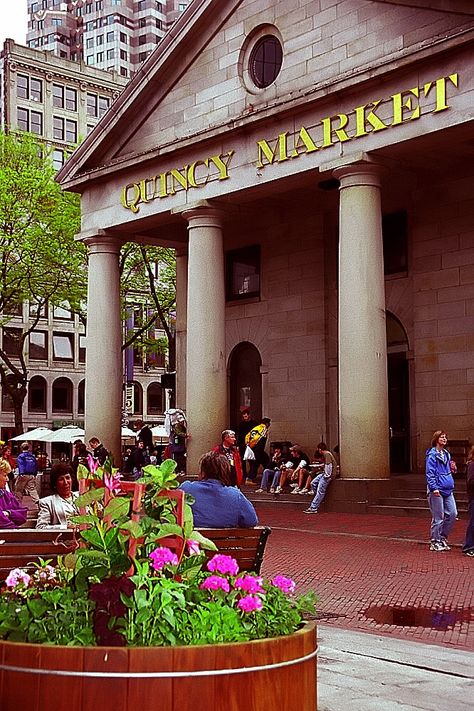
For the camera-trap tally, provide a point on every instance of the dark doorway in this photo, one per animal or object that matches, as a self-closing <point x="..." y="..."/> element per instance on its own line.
<point x="398" y="396"/>
<point x="245" y="382"/>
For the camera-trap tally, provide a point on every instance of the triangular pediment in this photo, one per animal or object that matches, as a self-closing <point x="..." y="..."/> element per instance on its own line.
<point x="197" y="83"/>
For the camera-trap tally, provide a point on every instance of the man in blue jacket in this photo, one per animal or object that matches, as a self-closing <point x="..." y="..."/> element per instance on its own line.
<point x="25" y="484"/>
<point x="440" y="487"/>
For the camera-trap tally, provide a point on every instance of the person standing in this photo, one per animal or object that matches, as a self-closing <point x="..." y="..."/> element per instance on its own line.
<point x="229" y="449"/>
<point x="321" y="481"/>
<point x="468" y="546"/>
<point x="440" y="488"/>
<point x="243" y="428"/>
<point x="98" y="451"/>
<point x="25" y="484"/>
<point x="256" y="441"/>
<point x="144" y="434"/>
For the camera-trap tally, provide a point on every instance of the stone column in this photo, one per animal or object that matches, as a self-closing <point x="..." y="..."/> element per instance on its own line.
<point x="206" y="391"/>
<point x="104" y="361"/>
<point x="181" y="326"/>
<point x="363" y="391"/>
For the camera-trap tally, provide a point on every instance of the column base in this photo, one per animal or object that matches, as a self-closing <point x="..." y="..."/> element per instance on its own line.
<point x="354" y="495"/>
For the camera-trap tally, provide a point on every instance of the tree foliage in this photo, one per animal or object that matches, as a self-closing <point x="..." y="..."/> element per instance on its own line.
<point x="40" y="261"/>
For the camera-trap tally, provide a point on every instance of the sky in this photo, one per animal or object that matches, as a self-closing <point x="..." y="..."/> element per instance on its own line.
<point x="13" y="21"/>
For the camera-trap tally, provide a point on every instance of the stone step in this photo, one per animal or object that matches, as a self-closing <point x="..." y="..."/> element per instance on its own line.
<point x="413" y="511"/>
<point x="405" y="500"/>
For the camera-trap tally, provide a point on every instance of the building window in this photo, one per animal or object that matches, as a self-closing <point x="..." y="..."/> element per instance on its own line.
<point x="142" y="22"/>
<point x="142" y="56"/>
<point x="71" y="131"/>
<point x="100" y="39"/>
<point x="38" y="349"/>
<point x="123" y="55"/>
<point x="58" y="128"/>
<point x="81" y="397"/>
<point x="100" y="56"/>
<point x="11" y="341"/>
<point x="34" y="307"/>
<point x="141" y="5"/>
<point x="110" y="53"/>
<point x="137" y="399"/>
<point x="243" y="273"/>
<point x="159" y="6"/>
<point x="63" y="346"/>
<point x="265" y="61"/>
<point x="30" y="121"/>
<point x="123" y="72"/>
<point x="90" y="59"/>
<point x="7" y="402"/>
<point x="103" y="105"/>
<point x="155" y="399"/>
<point x="89" y="42"/>
<point x="159" y="24"/>
<point x="82" y="349"/>
<point x="58" y="96"/>
<point x="123" y="38"/>
<point x="62" y="395"/>
<point x="110" y="36"/>
<point x="71" y="99"/>
<point x="36" y="90"/>
<point x="62" y="312"/>
<point x="37" y="394"/>
<point x="57" y="158"/>
<point x="395" y="242"/>
<point x="92" y="104"/>
<point x="142" y="39"/>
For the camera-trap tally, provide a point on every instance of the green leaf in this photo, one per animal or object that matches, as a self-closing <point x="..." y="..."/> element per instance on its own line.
<point x="90" y="496"/>
<point x="133" y="527"/>
<point x="86" y="518"/>
<point x="117" y="508"/>
<point x="203" y="541"/>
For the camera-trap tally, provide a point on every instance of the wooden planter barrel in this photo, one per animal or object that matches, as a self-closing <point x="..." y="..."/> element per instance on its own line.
<point x="264" y="675"/>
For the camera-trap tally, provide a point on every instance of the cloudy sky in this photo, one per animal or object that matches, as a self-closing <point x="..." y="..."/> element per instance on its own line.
<point x="13" y="21"/>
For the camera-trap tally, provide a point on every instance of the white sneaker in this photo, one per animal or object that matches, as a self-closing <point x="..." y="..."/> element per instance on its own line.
<point x="258" y="491"/>
<point x="293" y="485"/>
<point x="278" y="490"/>
<point x="304" y="491"/>
<point x="296" y="490"/>
<point x="272" y="490"/>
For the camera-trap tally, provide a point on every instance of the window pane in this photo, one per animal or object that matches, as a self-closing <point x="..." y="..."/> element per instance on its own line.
<point x="38" y="345"/>
<point x="11" y="341"/>
<point x="62" y="312"/>
<point x="62" y="346"/>
<point x="243" y="273"/>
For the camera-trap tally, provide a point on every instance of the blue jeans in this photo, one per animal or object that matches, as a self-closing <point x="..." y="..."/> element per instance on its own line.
<point x="443" y="515"/>
<point x="267" y="473"/>
<point x="469" y="539"/>
<point x="319" y="485"/>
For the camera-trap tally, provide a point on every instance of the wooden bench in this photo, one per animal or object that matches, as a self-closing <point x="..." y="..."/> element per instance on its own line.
<point x="21" y="547"/>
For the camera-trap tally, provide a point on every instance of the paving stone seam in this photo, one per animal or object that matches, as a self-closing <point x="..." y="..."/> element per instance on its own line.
<point x="359" y="535"/>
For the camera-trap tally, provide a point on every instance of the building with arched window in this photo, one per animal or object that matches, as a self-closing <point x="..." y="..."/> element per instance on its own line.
<point x="313" y="169"/>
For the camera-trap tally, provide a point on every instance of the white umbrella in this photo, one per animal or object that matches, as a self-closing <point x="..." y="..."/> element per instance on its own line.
<point x="35" y="434"/>
<point x="159" y="431"/>
<point x="127" y="432"/>
<point x="66" y="434"/>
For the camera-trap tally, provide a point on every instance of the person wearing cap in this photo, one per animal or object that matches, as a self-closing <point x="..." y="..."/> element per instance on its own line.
<point x="295" y="467"/>
<point x="228" y="448"/>
<point x="243" y="428"/>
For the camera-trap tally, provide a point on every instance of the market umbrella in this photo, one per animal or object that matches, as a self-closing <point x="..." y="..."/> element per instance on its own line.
<point x="35" y="434"/>
<point x="66" y="434"/>
<point x="127" y="432"/>
<point x="159" y="431"/>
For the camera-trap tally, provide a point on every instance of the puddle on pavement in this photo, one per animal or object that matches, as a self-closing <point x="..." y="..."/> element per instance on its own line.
<point x="440" y="619"/>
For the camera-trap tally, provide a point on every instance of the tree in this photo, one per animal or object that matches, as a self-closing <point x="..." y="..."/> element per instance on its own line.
<point x="150" y="271"/>
<point x="40" y="261"/>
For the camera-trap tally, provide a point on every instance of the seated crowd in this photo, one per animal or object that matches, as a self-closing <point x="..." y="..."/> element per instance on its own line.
<point x="216" y="496"/>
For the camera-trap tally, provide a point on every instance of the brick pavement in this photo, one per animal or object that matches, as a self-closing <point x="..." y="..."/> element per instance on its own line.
<point x="354" y="562"/>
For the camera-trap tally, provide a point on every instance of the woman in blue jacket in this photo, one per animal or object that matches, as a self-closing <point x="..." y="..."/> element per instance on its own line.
<point x="440" y="487"/>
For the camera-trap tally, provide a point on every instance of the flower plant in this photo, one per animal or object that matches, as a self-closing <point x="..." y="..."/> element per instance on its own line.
<point x="147" y="594"/>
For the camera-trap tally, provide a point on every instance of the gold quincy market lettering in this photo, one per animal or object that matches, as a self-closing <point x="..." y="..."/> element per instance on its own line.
<point x="399" y="108"/>
<point x="405" y="106"/>
<point x="189" y="176"/>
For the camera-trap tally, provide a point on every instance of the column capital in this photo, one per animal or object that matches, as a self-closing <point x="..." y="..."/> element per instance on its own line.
<point x="201" y="214"/>
<point x="100" y="241"/>
<point x="355" y="169"/>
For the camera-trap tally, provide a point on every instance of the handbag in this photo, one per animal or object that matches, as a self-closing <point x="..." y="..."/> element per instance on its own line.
<point x="249" y="453"/>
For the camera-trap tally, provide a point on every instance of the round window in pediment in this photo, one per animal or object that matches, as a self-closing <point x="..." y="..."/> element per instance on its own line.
<point x="265" y="61"/>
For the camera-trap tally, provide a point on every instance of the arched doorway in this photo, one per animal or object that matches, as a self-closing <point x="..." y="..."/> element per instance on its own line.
<point x="398" y="395"/>
<point x="245" y="381"/>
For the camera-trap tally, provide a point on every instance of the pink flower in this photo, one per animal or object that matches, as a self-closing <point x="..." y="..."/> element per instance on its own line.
<point x="193" y="547"/>
<point x="92" y="463"/>
<point x="249" y="584"/>
<point x="47" y="573"/>
<point x="215" y="582"/>
<point x="223" y="564"/>
<point x="286" y="585"/>
<point x="17" y="576"/>
<point x="112" y="482"/>
<point x="249" y="603"/>
<point x="161" y="557"/>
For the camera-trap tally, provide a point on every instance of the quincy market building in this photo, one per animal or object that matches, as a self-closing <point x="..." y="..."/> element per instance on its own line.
<point x="312" y="164"/>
